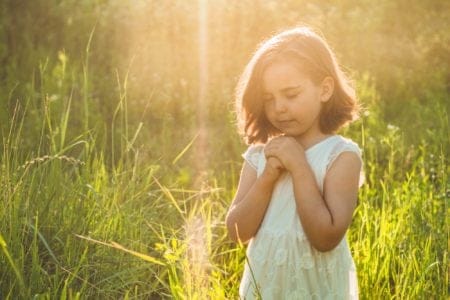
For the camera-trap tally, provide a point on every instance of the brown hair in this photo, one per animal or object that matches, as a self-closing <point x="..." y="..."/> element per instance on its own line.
<point x="312" y="54"/>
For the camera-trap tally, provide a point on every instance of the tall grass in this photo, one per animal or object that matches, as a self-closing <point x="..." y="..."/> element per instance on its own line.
<point x="100" y="197"/>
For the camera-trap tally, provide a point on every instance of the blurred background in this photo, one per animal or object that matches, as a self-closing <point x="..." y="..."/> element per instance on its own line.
<point x="96" y="52"/>
<point x="131" y="102"/>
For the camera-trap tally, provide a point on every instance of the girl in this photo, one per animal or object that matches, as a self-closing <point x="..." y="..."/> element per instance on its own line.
<point x="299" y="182"/>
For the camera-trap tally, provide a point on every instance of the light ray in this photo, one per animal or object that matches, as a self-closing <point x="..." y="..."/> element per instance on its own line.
<point x="201" y="153"/>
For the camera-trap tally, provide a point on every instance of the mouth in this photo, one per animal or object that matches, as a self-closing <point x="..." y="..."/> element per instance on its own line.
<point x="285" y="122"/>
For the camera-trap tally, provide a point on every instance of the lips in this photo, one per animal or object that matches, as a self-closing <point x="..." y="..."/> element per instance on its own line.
<point x="285" y="122"/>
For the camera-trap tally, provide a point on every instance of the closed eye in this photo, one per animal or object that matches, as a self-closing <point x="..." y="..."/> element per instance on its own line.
<point x="292" y="92"/>
<point x="292" y="96"/>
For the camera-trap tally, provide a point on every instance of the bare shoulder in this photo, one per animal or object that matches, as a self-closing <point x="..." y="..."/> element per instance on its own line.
<point x="345" y="157"/>
<point x="346" y="161"/>
<point x="341" y="183"/>
<point x="345" y="169"/>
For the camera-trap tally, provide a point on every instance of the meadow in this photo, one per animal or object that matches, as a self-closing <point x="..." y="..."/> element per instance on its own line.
<point x="120" y="153"/>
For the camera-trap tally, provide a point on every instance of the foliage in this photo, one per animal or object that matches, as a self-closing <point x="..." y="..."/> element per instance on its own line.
<point x="112" y="188"/>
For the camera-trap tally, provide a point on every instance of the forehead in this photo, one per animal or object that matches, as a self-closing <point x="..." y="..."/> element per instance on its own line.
<point x="282" y="74"/>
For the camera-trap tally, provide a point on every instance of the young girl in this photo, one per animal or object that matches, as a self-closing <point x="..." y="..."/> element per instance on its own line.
<point x="299" y="183"/>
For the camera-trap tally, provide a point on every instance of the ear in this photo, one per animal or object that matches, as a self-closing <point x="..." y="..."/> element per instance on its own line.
<point x="327" y="89"/>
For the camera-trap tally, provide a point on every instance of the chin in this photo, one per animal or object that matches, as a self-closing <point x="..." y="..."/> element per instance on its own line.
<point x="293" y="134"/>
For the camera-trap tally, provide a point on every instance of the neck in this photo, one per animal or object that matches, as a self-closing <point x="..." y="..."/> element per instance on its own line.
<point x="311" y="139"/>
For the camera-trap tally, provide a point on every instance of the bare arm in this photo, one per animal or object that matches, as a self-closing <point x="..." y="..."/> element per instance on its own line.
<point x="325" y="218"/>
<point x="251" y="200"/>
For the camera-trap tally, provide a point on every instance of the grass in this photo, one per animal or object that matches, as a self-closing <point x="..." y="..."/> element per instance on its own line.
<point x="101" y="198"/>
<point x="80" y="227"/>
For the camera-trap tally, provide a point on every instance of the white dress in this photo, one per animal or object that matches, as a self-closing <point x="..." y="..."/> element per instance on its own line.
<point x="280" y="260"/>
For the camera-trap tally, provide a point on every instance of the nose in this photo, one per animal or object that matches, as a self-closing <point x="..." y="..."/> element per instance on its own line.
<point x="279" y="106"/>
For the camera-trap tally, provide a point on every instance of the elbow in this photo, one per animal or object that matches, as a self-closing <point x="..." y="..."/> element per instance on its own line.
<point x="233" y="236"/>
<point x="233" y="230"/>
<point x="327" y="238"/>
<point x="325" y="245"/>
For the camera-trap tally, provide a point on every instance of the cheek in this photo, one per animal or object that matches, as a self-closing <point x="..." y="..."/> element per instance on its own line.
<point x="267" y="108"/>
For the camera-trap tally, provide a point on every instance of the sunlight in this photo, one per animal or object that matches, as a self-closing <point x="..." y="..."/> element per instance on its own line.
<point x="201" y="157"/>
<point x="121" y="156"/>
<point x="195" y="227"/>
<point x="197" y="256"/>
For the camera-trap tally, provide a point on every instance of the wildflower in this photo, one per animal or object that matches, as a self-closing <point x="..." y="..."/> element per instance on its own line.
<point x="393" y="128"/>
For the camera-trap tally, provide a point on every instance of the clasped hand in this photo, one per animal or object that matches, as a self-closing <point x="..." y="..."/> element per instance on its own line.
<point x="283" y="153"/>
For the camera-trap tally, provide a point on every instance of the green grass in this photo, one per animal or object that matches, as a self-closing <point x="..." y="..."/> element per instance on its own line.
<point x="100" y="192"/>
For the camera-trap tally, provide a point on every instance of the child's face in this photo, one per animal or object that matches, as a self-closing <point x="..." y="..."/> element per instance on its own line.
<point x="292" y="101"/>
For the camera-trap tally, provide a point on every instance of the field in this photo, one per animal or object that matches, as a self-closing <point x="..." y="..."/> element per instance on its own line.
<point x="120" y="153"/>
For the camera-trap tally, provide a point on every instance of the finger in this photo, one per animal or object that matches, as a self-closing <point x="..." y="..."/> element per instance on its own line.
<point x="270" y="152"/>
<point x="272" y="142"/>
<point x="274" y="145"/>
<point x="275" y="161"/>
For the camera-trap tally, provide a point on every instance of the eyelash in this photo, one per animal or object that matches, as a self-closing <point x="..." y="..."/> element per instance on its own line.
<point x="290" y="96"/>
